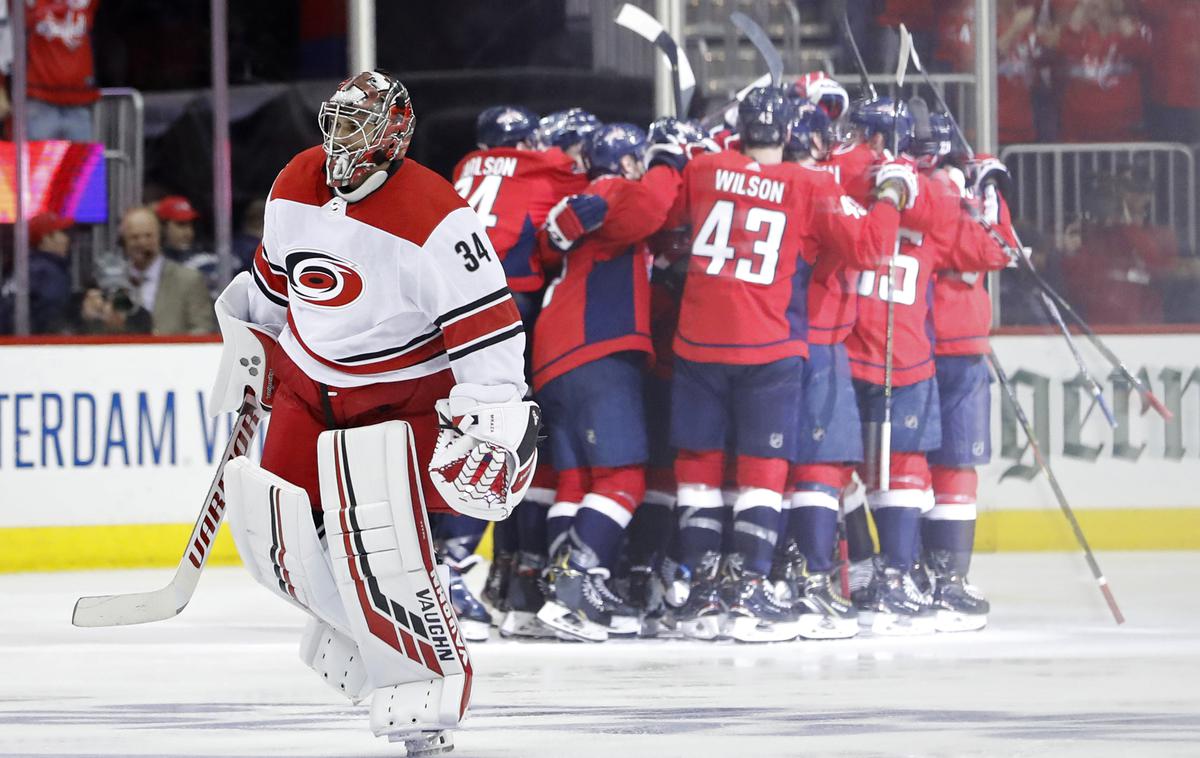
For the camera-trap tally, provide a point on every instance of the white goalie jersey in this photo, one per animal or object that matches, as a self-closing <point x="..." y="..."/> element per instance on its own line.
<point x="398" y="285"/>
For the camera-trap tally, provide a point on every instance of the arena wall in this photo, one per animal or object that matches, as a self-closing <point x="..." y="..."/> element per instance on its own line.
<point x="107" y="449"/>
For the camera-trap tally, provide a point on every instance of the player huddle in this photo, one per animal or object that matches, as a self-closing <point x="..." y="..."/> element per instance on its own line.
<point x="720" y="326"/>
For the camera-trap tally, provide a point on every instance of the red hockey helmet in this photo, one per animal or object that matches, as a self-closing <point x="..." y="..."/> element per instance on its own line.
<point x="367" y="122"/>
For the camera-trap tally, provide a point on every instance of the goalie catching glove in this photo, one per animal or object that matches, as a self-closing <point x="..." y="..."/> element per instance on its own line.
<point x="486" y="450"/>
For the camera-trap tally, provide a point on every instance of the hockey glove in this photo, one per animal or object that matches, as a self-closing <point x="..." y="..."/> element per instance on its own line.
<point x="486" y="452"/>
<point x="573" y="217"/>
<point x="988" y="170"/>
<point x="673" y="143"/>
<point x="896" y="183"/>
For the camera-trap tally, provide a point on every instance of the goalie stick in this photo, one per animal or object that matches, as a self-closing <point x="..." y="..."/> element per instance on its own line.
<point x="169" y="601"/>
<point x="758" y="37"/>
<point x="1044" y="465"/>
<point x="648" y="27"/>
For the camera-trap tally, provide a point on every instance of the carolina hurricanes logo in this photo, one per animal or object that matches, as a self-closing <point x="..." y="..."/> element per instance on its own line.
<point x="323" y="280"/>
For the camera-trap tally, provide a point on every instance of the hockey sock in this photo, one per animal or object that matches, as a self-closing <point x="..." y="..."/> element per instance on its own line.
<point x="572" y="486"/>
<point x="756" y="522"/>
<point x="701" y="515"/>
<point x="812" y="523"/>
<point x="949" y="527"/>
<point x="650" y="530"/>
<point x="813" y="511"/>
<point x="897" y="516"/>
<point x="531" y="526"/>
<point x="459" y="535"/>
<point x="596" y="532"/>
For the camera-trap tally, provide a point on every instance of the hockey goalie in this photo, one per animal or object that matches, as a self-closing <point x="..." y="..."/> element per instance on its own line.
<point x="395" y="381"/>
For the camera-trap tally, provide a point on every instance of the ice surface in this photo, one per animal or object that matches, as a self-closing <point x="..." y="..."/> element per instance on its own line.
<point x="1052" y="675"/>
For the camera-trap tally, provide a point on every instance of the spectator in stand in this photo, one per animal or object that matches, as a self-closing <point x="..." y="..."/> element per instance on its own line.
<point x="178" y="219"/>
<point x="1018" y="54"/>
<point x="249" y="235"/>
<point x="61" y="75"/>
<point x="98" y="312"/>
<point x="49" y="273"/>
<point x="175" y="296"/>
<point x="1175" y="76"/>
<point x="1127" y="268"/>
<point x="919" y="16"/>
<point x="1102" y="52"/>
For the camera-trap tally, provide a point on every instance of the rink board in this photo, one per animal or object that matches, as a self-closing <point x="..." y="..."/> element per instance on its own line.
<point x="106" y="451"/>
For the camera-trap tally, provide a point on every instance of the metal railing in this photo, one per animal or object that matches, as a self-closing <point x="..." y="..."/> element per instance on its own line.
<point x="1054" y="183"/>
<point x="118" y="122"/>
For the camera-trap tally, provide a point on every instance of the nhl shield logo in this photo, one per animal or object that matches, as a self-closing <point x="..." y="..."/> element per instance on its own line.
<point x="818" y="434"/>
<point x="775" y="441"/>
<point x="977" y="448"/>
<point x="911" y="422"/>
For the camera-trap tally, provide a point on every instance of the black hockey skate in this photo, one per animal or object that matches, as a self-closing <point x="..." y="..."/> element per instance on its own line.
<point x="900" y="608"/>
<point x="864" y="583"/>
<point x="701" y="616"/>
<point x="495" y="587"/>
<point x="960" y="606"/>
<point x="823" y="613"/>
<point x="525" y="598"/>
<point x="573" y="605"/>
<point x="624" y="619"/>
<point x="754" y="613"/>
<point x="473" y="619"/>
<point x="645" y="593"/>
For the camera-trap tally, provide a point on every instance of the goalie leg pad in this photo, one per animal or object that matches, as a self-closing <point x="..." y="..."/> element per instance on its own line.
<point x="399" y="609"/>
<point x="336" y="659"/>
<point x="272" y="526"/>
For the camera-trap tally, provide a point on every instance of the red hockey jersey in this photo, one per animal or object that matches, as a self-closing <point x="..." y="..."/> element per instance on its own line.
<point x="962" y="308"/>
<point x="756" y="231"/>
<point x="600" y="302"/>
<point x="851" y="165"/>
<point x="937" y="234"/>
<point x="61" y="70"/>
<point x="512" y="190"/>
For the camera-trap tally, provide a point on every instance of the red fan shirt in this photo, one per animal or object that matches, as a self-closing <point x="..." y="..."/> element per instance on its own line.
<point x="61" y="70"/>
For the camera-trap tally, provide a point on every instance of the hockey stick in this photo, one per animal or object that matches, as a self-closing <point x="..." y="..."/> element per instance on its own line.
<point x="1149" y="399"/>
<point x="1044" y="465"/>
<point x="863" y="77"/>
<point x="885" y="429"/>
<point x="715" y="118"/>
<point x="648" y="27"/>
<point x="1094" y="388"/>
<point x="169" y="601"/>
<point x="758" y="37"/>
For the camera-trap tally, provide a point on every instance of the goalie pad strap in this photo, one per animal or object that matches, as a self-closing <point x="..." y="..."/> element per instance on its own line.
<point x="379" y="541"/>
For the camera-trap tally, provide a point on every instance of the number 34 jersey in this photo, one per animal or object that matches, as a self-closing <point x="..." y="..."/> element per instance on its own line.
<point x="756" y="232"/>
<point x="400" y="284"/>
<point x="936" y="235"/>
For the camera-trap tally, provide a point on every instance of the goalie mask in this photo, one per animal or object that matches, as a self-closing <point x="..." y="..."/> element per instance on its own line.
<point x="367" y="122"/>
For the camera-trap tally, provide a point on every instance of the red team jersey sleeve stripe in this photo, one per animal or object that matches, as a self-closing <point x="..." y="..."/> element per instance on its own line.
<point x="271" y="279"/>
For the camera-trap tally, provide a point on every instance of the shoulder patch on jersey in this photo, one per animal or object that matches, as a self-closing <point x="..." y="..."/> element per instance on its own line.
<point x="302" y="180"/>
<point x="410" y="204"/>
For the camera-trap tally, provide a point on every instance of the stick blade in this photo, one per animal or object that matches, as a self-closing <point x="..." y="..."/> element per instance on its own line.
<point x="639" y="22"/>
<point x="122" y="610"/>
<point x="906" y="52"/>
